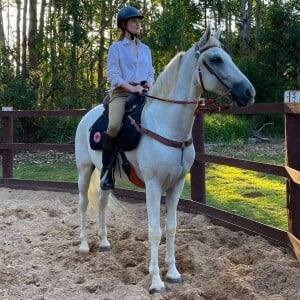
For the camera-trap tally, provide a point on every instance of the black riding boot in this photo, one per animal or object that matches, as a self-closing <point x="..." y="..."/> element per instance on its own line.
<point x="108" y="161"/>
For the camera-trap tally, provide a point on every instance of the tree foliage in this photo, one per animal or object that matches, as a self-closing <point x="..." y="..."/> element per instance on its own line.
<point x="56" y="57"/>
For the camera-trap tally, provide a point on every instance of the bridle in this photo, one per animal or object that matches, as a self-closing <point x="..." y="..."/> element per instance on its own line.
<point x="202" y="104"/>
<point x="211" y="71"/>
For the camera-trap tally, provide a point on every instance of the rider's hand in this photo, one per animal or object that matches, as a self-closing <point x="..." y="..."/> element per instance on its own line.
<point x="147" y="85"/>
<point x="138" y="89"/>
<point x="135" y="89"/>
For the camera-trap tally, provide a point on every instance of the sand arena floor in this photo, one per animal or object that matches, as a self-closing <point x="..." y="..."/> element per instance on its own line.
<point x="39" y="258"/>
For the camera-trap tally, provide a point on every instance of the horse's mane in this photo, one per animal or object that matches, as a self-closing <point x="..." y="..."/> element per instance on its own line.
<point x="167" y="79"/>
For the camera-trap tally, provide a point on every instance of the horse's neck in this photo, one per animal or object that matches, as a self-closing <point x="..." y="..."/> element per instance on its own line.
<point x="171" y="120"/>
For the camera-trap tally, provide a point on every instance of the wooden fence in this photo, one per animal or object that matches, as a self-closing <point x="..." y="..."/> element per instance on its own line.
<point x="197" y="203"/>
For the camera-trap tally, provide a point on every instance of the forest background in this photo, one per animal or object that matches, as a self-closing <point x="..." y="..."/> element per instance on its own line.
<point x="53" y="52"/>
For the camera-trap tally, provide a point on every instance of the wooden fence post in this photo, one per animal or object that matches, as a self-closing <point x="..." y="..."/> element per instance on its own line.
<point x="7" y="154"/>
<point x="292" y="137"/>
<point x="198" y="189"/>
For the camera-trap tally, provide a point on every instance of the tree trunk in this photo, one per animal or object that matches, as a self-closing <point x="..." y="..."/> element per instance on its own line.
<point x="205" y="14"/>
<point x="18" y="41"/>
<point x="32" y="36"/>
<point x="226" y="4"/>
<point x="42" y="18"/>
<point x="24" y="40"/>
<point x="229" y="29"/>
<point x="258" y="20"/>
<point x="215" y="14"/>
<point x="74" y="49"/>
<point x="245" y="25"/>
<point x="101" y="45"/>
<point x="50" y="94"/>
<point x="2" y="35"/>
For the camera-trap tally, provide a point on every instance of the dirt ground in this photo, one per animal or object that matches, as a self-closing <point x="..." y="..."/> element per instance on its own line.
<point x="39" y="258"/>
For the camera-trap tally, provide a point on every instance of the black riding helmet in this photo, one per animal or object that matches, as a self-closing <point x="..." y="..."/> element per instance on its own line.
<point x="127" y="13"/>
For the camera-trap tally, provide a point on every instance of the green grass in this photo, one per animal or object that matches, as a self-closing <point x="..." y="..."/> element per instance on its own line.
<point x="257" y="196"/>
<point x="253" y="195"/>
<point x="250" y="194"/>
<point x="65" y="171"/>
<point x="225" y="128"/>
<point x="230" y="128"/>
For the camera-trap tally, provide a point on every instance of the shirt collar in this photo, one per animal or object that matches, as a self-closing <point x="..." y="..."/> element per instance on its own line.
<point x="126" y="41"/>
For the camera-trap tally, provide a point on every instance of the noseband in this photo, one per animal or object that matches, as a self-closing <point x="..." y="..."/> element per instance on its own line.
<point x="211" y="71"/>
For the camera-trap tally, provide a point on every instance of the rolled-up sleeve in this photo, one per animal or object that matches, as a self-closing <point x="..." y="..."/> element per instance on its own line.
<point x="151" y="70"/>
<point x="114" y="72"/>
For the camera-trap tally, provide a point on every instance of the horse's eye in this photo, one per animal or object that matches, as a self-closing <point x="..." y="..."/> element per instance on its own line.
<point x="216" y="59"/>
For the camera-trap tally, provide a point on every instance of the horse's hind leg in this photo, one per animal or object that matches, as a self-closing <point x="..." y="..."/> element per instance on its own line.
<point x="104" y="244"/>
<point x="83" y="185"/>
<point x="172" y="198"/>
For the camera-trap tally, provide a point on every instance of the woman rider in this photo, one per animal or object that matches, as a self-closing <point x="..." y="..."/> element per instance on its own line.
<point x="129" y="62"/>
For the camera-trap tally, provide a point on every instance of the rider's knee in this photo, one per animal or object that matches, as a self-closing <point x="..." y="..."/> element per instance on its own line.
<point x="113" y="130"/>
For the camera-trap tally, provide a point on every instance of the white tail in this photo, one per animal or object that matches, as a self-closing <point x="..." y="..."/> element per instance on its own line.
<point x="94" y="190"/>
<point x="94" y="196"/>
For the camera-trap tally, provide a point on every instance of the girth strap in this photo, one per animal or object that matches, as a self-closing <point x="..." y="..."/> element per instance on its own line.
<point x="160" y="138"/>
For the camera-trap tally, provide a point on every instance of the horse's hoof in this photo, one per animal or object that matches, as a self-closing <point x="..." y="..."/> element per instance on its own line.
<point x="84" y="249"/>
<point x="174" y="280"/>
<point x="156" y="291"/>
<point x="104" y="248"/>
<point x="83" y="252"/>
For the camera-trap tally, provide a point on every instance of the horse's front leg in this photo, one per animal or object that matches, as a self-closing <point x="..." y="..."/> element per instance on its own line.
<point x="172" y="198"/>
<point x="153" y="198"/>
<point x="104" y="243"/>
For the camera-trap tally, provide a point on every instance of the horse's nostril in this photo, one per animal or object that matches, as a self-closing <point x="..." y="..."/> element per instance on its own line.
<point x="248" y="93"/>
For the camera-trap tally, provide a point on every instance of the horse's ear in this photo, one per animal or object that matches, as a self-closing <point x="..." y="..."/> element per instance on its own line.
<point x="217" y="34"/>
<point x="204" y="39"/>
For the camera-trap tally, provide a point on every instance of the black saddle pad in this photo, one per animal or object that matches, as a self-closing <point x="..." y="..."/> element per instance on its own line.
<point x="128" y="137"/>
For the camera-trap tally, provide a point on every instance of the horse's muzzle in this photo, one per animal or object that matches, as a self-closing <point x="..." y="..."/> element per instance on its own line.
<point x="243" y="94"/>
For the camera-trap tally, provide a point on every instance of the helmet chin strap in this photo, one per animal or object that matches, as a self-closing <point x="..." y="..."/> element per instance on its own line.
<point x="132" y="36"/>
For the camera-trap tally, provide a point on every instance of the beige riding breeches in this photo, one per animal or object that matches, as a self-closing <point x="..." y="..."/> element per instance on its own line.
<point x="116" y="111"/>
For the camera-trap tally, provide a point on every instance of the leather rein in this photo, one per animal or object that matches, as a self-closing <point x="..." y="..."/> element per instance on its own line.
<point x="203" y="104"/>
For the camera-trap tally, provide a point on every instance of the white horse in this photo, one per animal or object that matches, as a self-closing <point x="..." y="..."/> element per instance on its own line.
<point x="204" y="67"/>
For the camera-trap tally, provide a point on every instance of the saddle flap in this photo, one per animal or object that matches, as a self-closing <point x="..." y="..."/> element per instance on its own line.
<point x="128" y="137"/>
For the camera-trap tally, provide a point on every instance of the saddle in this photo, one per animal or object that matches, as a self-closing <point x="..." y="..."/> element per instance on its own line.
<point x="128" y="137"/>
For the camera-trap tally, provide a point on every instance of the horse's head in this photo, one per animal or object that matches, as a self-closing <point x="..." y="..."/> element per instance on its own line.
<point x="218" y="73"/>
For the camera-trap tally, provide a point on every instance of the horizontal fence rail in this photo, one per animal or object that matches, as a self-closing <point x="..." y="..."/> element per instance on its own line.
<point x="243" y="164"/>
<point x="197" y="202"/>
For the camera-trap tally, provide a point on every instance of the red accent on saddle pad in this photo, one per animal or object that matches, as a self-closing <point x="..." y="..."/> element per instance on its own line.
<point x="97" y="137"/>
<point x="135" y="179"/>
